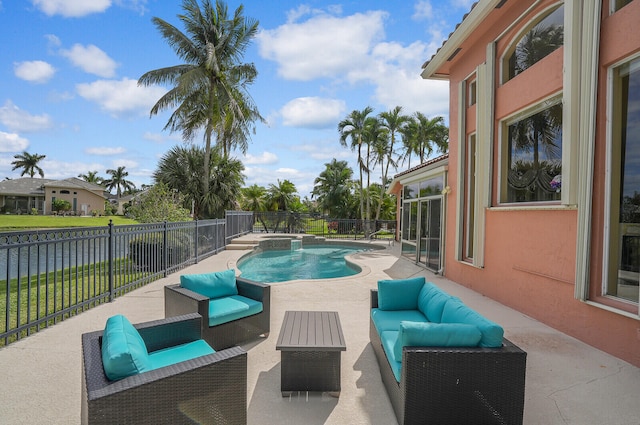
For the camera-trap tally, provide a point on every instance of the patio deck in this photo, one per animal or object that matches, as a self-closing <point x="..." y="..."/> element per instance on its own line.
<point x="568" y="382"/>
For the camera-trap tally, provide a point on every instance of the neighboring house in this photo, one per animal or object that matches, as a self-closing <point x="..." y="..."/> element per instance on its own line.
<point x="544" y="209"/>
<point x="20" y="196"/>
<point x="84" y="197"/>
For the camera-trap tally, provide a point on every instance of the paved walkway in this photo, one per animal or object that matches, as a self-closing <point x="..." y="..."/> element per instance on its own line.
<point x="568" y="382"/>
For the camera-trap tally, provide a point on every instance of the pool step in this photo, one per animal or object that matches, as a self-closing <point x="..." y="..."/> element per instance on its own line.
<point x="242" y="245"/>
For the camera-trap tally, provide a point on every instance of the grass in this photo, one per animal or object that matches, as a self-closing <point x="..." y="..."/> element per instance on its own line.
<point x="24" y="222"/>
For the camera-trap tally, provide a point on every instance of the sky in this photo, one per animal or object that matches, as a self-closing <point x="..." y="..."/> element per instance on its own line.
<point x="69" y="71"/>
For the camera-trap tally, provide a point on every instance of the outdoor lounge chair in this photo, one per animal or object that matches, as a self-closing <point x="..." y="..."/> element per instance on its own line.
<point x="210" y="388"/>
<point x="226" y="329"/>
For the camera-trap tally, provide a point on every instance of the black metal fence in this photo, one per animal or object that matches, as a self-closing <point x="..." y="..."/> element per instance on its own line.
<point x="320" y="225"/>
<point x="49" y="275"/>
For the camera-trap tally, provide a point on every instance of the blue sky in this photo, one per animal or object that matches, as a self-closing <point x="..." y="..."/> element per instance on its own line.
<point x="69" y="71"/>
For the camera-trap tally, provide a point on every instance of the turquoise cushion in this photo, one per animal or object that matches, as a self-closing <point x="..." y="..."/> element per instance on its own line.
<point x="416" y="334"/>
<point x="124" y="352"/>
<point x="390" y="320"/>
<point x="399" y="294"/>
<point x="388" y="340"/>
<point x="456" y="312"/>
<point x="180" y="353"/>
<point x="212" y="285"/>
<point x="223" y="310"/>
<point x="431" y="301"/>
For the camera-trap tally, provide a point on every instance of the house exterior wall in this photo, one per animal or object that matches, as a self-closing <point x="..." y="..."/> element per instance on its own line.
<point x="91" y="200"/>
<point x="530" y="251"/>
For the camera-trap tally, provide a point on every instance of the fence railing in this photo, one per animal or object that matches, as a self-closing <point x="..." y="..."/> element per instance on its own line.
<point x="49" y="275"/>
<point x="320" y="225"/>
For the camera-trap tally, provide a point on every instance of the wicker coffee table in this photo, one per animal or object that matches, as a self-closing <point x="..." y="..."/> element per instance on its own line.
<point x="310" y="344"/>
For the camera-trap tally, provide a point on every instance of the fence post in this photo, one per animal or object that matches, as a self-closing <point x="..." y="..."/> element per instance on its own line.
<point x="165" y="249"/>
<point x="196" y="242"/>
<point x="112" y="294"/>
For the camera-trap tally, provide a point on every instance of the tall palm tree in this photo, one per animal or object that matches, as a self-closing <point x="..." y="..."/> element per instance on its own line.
<point x="353" y="128"/>
<point x="253" y="198"/>
<point x="332" y="188"/>
<point x="422" y="135"/>
<point x="28" y="163"/>
<point x="91" y="177"/>
<point x="394" y="122"/>
<point x="375" y="136"/>
<point x="210" y="89"/>
<point x="119" y="181"/>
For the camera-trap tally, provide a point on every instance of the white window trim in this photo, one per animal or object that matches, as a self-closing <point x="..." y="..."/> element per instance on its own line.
<point x="582" y="20"/>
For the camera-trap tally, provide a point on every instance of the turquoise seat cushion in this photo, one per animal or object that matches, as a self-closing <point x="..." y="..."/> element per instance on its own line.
<point x="399" y="294"/>
<point x="431" y="301"/>
<point x="227" y="309"/>
<point x="212" y="285"/>
<point x="124" y="352"/>
<point x="390" y="320"/>
<point x="180" y="353"/>
<point x="417" y="334"/>
<point x="456" y="312"/>
<point x="388" y="340"/>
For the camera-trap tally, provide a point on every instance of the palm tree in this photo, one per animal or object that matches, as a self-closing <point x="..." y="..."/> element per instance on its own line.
<point x="332" y="188"/>
<point x="180" y="169"/>
<point x="28" y="163"/>
<point x="280" y="196"/>
<point x="119" y="181"/>
<point x="394" y="122"/>
<point x="422" y="134"/>
<point x="253" y="198"/>
<point x="209" y="90"/>
<point x="91" y="177"/>
<point x="353" y="127"/>
<point x="375" y="136"/>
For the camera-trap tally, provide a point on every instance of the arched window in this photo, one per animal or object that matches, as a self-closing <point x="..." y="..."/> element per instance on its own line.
<point x="545" y="36"/>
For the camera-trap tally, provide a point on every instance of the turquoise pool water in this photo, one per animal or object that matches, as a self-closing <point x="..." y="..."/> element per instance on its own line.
<point x="312" y="262"/>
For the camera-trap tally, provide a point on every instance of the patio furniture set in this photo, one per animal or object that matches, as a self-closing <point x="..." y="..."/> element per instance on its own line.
<point x="189" y="367"/>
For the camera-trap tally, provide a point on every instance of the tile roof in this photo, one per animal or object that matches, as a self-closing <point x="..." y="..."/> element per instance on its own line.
<point x="423" y="165"/>
<point x="23" y="186"/>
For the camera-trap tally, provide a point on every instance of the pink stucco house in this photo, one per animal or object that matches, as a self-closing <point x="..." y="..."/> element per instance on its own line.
<point x="543" y="208"/>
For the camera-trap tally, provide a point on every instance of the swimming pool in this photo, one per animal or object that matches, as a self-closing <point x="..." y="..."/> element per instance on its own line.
<point x="311" y="262"/>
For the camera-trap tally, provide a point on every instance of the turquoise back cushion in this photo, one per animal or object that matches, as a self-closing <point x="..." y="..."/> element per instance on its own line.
<point x="416" y="334"/>
<point x="212" y="285"/>
<point x="399" y="294"/>
<point x="431" y="301"/>
<point x="456" y="312"/>
<point x="124" y="353"/>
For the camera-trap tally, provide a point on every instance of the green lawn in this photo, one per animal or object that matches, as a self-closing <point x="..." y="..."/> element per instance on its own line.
<point x="19" y="222"/>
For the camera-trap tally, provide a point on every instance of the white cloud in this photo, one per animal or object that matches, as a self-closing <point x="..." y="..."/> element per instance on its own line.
<point x="15" y="119"/>
<point x="34" y="71"/>
<point x="422" y="10"/>
<point x="105" y="151"/>
<point x="128" y="164"/>
<point x="55" y="169"/>
<point x="71" y="8"/>
<point x="262" y="159"/>
<point x="121" y="96"/>
<point x="323" y="46"/>
<point x="91" y="59"/>
<point x="325" y="150"/>
<point x="11" y="142"/>
<point x="463" y="4"/>
<point x="313" y="112"/>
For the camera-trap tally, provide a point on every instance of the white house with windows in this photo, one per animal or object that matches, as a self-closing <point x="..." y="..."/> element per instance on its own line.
<point x="543" y="211"/>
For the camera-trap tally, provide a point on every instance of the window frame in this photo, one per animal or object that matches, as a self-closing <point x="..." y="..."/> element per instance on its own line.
<point x="503" y="157"/>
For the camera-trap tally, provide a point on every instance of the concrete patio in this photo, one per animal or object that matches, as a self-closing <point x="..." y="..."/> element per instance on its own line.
<point x="568" y="382"/>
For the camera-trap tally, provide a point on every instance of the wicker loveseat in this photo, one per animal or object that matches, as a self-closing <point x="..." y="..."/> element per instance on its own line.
<point x="234" y="310"/>
<point x="428" y="377"/>
<point x="209" y="388"/>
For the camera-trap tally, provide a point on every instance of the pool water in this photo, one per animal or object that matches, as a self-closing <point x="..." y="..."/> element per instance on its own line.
<point x="312" y="262"/>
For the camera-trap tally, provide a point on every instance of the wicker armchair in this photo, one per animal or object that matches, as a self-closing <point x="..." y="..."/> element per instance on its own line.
<point x="178" y="301"/>
<point x="208" y="389"/>
<point x="454" y="385"/>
